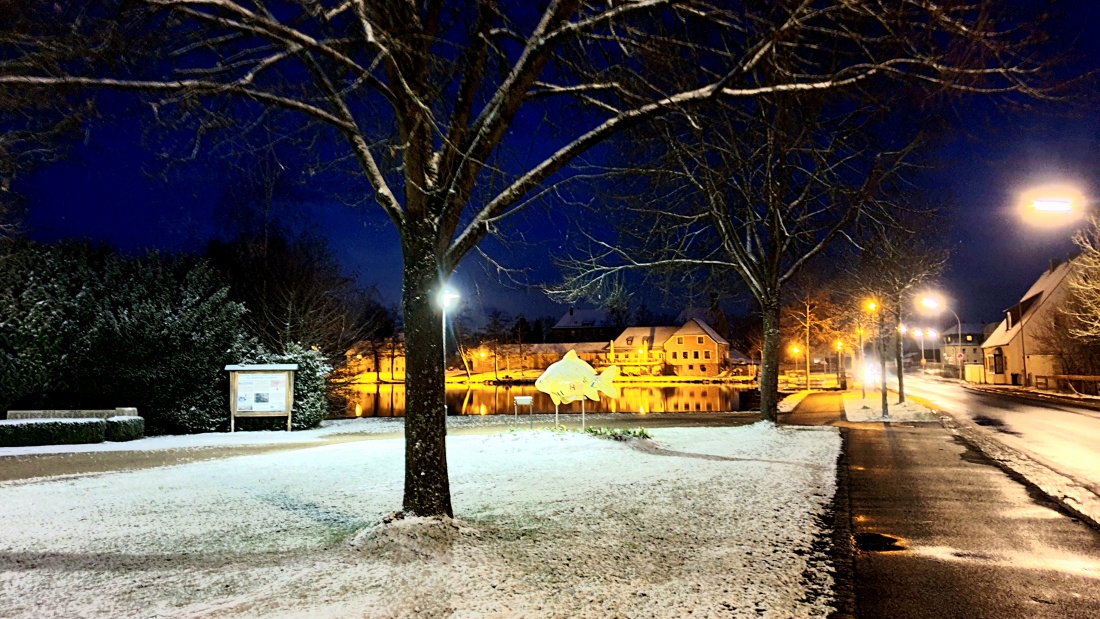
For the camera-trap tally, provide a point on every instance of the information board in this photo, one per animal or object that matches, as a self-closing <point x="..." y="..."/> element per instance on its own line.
<point x="262" y="391"/>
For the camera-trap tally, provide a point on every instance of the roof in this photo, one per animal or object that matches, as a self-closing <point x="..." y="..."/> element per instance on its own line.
<point x="696" y="326"/>
<point x="1041" y="290"/>
<point x="739" y="358"/>
<point x="970" y="328"/>
<point x="657" y="336"/>
<point x="561" y="348"/>
<point x="581" y="318"/>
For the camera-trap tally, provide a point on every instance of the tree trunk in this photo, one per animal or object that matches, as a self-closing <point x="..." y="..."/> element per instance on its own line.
<point x="769" y="363"/>
<point x="898" y="360"/>
<point x="882" y="359"/>
<point x="427" y="486"/>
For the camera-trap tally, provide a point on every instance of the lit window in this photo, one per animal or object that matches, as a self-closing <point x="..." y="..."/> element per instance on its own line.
<point x="970" y="338"/>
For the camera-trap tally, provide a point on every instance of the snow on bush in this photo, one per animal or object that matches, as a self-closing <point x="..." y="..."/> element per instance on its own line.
<point x="28" y="432"/>
<point x="310" y="389"/>
<point x="83" y="327"/>
<point x="124" y="428"/>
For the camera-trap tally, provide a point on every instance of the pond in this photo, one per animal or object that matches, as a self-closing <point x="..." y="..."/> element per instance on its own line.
<point x="388" y="400"/>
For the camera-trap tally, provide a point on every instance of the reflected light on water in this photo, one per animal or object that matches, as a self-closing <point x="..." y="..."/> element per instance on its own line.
<point x="387" y="400"/>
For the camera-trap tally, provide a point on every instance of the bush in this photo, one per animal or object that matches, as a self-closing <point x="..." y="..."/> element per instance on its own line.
<point x="310" y="391"/>
<point x="29" y="432"/>
<point x="120" y="429"/>
<point x="82" y="327"/>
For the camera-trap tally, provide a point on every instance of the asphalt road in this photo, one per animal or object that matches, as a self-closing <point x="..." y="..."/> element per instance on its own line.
<point x="1061" y="436"/>
<point x="942" y="532"/>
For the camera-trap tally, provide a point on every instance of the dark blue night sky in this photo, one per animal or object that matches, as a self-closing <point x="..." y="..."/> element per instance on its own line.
<point x="104" y="192"/>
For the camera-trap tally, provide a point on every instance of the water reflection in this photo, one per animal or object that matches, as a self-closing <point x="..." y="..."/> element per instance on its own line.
<point x="388" y="400"/>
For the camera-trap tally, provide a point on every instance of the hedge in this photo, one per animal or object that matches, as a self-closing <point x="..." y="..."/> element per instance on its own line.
<point x="124" y="428"/>
<point x="29" y="432"/>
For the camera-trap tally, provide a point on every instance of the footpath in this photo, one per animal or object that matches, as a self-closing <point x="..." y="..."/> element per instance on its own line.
<point x="936" y="529"/>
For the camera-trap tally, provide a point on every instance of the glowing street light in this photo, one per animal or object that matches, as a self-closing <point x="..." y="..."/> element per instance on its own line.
<point x="936" y="305"/>
<point x="1052" y="205"/>
<point x="447" y="299"/>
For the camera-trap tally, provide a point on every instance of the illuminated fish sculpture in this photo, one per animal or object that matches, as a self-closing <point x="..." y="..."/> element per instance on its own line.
<point x="572" y="379"/>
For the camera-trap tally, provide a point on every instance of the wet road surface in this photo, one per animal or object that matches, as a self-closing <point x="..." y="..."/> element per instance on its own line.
<point x="945" y="533"/>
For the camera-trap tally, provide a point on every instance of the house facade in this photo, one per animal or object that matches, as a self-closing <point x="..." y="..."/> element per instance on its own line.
<point x="695" y="349"/>
<point x="956" y="350"/>
<point x="1014" y="354"/>
<point x="640" y="351"/>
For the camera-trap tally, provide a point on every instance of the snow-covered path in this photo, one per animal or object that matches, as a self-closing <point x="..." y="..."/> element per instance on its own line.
<point x="556" y="525"/>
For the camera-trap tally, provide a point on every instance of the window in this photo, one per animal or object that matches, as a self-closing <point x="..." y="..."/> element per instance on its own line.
<point x="696" y="354"/>
<point x="970" y="338"/>
<point x="703" y="368"/>
<point x="679" y="340"/>
<point x="700" y="338"/>
<point x="645" y="341"/>
<point x="691" y="367"/>
<point x="630" y="341"/>
<point x="706" y="354"/>
<point x="674" y="354"/>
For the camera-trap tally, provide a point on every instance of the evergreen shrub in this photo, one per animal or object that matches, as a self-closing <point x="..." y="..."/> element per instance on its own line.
<point x="30" y="432"/>
<point x="124" y="428"/>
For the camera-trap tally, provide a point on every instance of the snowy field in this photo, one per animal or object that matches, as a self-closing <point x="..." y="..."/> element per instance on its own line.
<point x="715" y="522"/>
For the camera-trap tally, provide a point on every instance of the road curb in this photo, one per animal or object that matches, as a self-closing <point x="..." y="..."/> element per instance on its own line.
<point x="1075" y="499"/>
<point x="844" y="574"/>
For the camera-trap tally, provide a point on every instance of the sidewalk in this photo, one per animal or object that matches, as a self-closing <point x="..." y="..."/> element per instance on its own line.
<point x="938" y="530"/>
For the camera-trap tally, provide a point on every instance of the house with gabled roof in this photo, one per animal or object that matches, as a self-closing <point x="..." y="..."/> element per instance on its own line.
<point x="695" y="349"/>
<point x="640" y="350"/>
<point x="1015" y="353"/>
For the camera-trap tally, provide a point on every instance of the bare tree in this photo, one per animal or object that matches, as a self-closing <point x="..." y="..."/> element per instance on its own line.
<point x="427" y="96"/>
<point x="897" y="260"/>
<point x="811" y="316"/>
<point x="1083" y="305"/>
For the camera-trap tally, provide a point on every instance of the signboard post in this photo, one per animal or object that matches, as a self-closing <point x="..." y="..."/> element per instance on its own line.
<point x="265" y="390"/>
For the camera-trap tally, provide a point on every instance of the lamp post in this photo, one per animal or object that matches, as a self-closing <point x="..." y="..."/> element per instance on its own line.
<point x="874" y="306"/>
<point x="920" y="337"/>
<point x="841" y="383"/>
<point x="795" y="350"/>
<point x="934" y="304"/>
<point x="447" y="298"/>
<point x="862" y="365"/>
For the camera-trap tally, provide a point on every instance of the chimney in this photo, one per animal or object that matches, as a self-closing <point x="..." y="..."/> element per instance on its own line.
<point x="1054" y="262"/>
<point x="570" y="311"/>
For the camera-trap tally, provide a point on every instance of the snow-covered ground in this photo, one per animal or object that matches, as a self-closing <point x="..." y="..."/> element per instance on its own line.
<point x="860" y="409"/>
<point x="790" y="402"/>
<point x="711" y="522"/>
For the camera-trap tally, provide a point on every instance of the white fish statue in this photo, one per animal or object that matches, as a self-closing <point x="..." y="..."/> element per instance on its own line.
<point x="572" y="379"/>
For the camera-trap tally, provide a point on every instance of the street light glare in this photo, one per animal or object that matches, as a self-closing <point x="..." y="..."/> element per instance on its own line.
<point x="930" y="302"/>
<point x="447" y="298"/>
<point x="1053" y="206"/>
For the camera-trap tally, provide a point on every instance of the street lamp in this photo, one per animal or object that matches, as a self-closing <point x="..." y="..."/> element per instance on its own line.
<point x="874" y="306"/>
<point x="936" y="305"/>
<point x="842" y="383"/>
<point x="795" y="351"/>
<point x="1052" y="205"/>
<point x="447" y="299"/>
